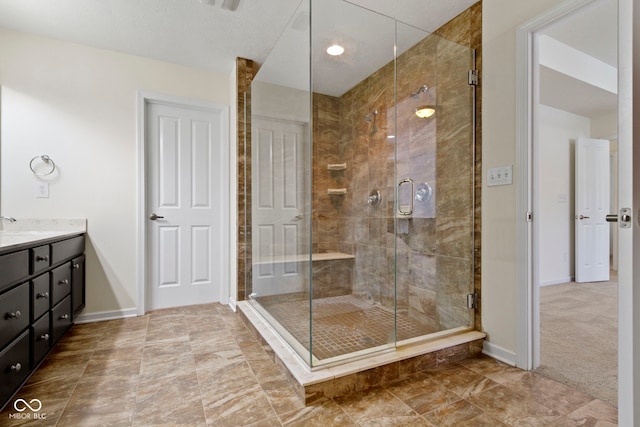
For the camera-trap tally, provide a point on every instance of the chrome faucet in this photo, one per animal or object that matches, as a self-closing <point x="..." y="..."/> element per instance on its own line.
<point x="8" y="218"/>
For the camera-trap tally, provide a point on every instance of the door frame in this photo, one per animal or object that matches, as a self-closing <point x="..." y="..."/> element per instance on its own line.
<point x="143" y="100"/>
<point x="527" y="295"/>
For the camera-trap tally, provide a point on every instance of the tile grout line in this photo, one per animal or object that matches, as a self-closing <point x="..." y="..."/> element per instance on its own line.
<point x="93" y="352"/>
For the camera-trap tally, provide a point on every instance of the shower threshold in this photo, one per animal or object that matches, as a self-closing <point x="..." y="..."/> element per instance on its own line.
<point x="347" y="376"/>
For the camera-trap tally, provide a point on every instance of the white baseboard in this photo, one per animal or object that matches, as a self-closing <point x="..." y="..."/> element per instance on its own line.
<point x="232" y="304"/>
<point x="556" y="281"/>
<point x="106" y="315"/>
<point x="499" y="353"/>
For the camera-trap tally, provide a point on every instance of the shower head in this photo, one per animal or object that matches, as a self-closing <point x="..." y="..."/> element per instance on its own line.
<point x="367" y="118"/>
<point x="421" y="89"/>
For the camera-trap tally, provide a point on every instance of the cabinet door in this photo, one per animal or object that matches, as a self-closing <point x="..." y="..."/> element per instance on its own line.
<point x="60" y="282"/>
<point x="61" y="318"/>
<point x="40" y="296"/>
<point x="41" y="338"/>
<point x="14" y="313"/>
<point x="77" y="285"/>
<point x="14" y="366"/>
<point x="14" y="267"/>
<point x="40" y="258"/>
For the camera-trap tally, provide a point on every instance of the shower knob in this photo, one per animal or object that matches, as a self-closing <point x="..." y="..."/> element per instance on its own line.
<point x="374" y="198"/>
<point x="423" y="193"/>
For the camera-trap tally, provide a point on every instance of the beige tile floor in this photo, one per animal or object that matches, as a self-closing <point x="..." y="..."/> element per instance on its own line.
<point x="201" y="366"/>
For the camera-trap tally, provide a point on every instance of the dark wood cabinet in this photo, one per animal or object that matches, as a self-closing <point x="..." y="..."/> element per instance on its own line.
<point x="42" y="290"/>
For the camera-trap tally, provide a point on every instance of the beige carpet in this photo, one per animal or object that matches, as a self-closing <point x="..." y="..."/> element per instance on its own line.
<point x="578" y="337"/>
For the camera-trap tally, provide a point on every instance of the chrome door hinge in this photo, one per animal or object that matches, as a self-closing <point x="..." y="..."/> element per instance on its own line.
<point x="529" y="216"/>
<point x="473" y="77"/>
<point x="472" y="300"/>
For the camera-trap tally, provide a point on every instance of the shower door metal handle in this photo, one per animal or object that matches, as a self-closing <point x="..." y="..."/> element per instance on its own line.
<point x="401" y="211"/>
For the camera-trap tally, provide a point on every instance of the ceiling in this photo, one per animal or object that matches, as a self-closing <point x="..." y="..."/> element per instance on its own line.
<point x="198" y="34"/>
<point x="594" y="31"/>
<point x="194" y="33"/>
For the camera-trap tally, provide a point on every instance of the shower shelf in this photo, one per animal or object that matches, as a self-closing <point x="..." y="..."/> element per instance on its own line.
<point x="337" y="166"/>
<point x="336" y="191"/>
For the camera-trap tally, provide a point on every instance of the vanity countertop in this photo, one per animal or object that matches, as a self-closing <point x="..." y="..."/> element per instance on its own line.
<point x="27" y="232"/>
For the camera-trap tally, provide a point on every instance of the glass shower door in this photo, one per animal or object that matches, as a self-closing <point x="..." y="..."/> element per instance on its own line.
<point x="362" y="184"/>
<point x="435" y="151"/>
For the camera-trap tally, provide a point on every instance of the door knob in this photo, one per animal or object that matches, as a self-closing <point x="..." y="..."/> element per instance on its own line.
<point x="582" y="217"/>
<point x="153" y="217"/>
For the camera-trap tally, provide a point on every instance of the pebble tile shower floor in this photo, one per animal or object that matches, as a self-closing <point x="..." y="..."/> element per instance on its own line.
<point x="201" y="366"/>
<point x="341" y="324"/>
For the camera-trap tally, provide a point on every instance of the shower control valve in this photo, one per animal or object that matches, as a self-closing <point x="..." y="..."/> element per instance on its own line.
<point x="374" y="198"/>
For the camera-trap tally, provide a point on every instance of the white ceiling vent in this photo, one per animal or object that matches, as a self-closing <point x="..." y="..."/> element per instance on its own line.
<point x="230" y="4"/>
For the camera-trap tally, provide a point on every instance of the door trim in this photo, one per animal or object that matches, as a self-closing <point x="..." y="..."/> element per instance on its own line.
<point x="527" y="300"/>
<point x="143" y="100"/>
<point x="528" y="306"/>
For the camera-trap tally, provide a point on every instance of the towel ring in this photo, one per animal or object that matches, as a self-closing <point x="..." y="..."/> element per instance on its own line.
<point x="45" y="159"/>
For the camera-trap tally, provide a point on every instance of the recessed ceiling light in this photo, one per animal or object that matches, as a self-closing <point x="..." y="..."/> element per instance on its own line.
<point x="335" y="50"/>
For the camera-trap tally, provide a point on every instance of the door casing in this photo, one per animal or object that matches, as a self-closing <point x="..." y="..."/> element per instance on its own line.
<point x="629" y="192"/>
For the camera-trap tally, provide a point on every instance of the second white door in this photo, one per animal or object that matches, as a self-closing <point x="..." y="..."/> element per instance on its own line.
<point x="592" y="207"/>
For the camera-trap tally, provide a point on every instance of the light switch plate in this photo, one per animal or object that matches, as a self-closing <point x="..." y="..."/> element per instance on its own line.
<point x="502" y="175"/>
<point x="42" y="190"/>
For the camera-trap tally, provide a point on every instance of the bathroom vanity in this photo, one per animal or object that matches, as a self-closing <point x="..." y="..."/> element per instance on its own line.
<point x="42" y="290"/>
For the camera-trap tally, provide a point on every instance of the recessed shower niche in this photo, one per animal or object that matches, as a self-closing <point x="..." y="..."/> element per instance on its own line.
<point x="339" y="272"/>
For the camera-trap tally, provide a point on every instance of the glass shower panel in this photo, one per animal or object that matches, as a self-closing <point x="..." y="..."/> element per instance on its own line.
<point x="353" y="288"/>
<point x="436" y="153"/>
<point x="361" y="211"/>
<point x="280" y="185"/>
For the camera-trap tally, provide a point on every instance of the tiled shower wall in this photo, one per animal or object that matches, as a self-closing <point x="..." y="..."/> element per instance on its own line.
<point x="435" y="249"/>
<point x="434" y="261"/>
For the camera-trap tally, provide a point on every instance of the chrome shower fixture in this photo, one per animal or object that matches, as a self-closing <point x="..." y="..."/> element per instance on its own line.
<point x="421" y="89"/>
<point x="367" y="119"/>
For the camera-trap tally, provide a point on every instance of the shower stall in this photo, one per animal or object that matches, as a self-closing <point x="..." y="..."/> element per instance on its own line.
<point x="360" y="184"/>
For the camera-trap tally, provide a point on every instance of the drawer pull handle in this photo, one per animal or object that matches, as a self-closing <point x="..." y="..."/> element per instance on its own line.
<point x="76" y="266"/>
<point x="42" y="258"/>
<point x="63" y="282"/>
<point x="43" y="295"/>
<point x="15" y="315"/>
<point x="16" y="368"/>
<point x="64" y="317"/>
<point x="44" y="337"/>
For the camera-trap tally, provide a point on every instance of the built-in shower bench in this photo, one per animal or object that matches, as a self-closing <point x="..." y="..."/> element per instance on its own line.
<point x="324" y="256"/>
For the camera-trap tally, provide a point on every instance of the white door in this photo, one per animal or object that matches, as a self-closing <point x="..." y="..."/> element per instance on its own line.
<point x="592" y="207"/>
<point x="184" y="193"/>
<point x="280" y="220"/>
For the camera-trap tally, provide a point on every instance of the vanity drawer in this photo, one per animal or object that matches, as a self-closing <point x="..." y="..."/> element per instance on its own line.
<point x="60" y="282"/>
<point x="14" y="366"/>
<point x="41" y="337"/>
<point x="61" y="318"/>
<point x="40" y="258"/>
<point x="66" y="249"/>
<point x="40" y="296"/>
<point x="14" y="312"/>
<point x="14" y="267"/>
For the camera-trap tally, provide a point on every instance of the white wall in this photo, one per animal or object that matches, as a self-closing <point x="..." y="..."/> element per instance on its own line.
<point x="500" y="19"/>
<point x="557" y="133"/>
<point x="78" y="105"/>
